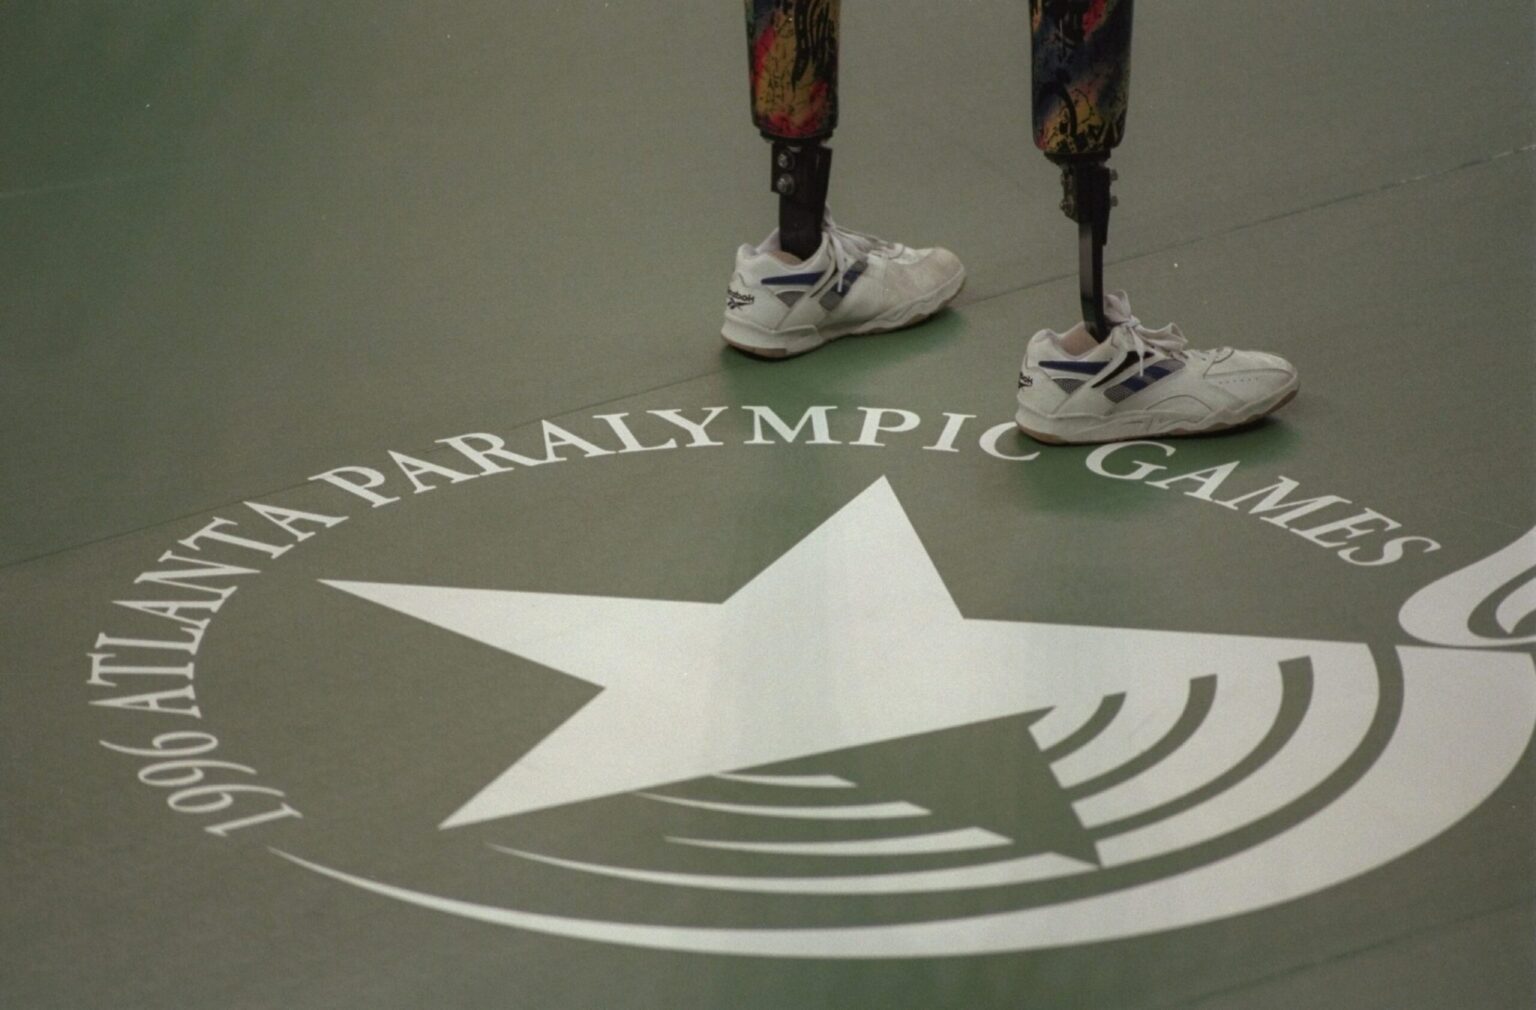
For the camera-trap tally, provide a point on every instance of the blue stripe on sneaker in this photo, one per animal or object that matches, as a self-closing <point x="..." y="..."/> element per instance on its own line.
<point x="1131" y="358"/>
<point x="1136" y="383"/>
<point x="1080" y="367"/>
<point x="834" y="297"/>
<point x="854" y="273"/>
<point x="795" y="278"/>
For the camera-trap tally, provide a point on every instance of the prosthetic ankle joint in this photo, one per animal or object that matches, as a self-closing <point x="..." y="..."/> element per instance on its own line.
<point x="801" y="170"/>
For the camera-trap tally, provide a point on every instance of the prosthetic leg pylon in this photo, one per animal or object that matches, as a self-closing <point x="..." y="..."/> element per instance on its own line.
<point x="792" y="49"/>
<point x="1086" y="199"/>
<point x="1081" y="71"/>
<point x="801" y="173"/>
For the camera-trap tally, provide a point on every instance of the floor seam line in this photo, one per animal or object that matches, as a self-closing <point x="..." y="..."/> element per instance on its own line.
<point x="410" y="451"/>
<point x="1196" y="1001"/>
<point x="1237" y="229"/>
<point x="1269" y="219"/>
<point x="1345" y="198"/>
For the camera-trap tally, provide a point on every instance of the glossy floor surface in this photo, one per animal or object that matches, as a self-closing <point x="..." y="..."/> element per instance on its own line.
<point x="680" y="705"/>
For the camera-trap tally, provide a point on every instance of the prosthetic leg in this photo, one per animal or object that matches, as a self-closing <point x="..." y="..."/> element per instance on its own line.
<point x="1082" y="72"/>
<point x="792" y="52"/>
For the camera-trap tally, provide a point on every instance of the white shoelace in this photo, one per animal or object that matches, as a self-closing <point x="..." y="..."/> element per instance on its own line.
<point x="1169" y="340"/>
<point x="849" y="246"/>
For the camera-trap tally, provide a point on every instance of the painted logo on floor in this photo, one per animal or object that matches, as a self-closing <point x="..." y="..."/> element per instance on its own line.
<point x="836" y="762"/>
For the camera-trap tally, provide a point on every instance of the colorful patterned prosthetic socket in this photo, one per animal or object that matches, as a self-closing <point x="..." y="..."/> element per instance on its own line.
<point x="1082" y="75"/>
<point x="792" y="48"/>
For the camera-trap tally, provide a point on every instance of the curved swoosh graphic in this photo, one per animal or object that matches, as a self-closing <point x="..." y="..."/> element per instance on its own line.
<point x="1470" y="607"/>
<point x="1466" y="719"/>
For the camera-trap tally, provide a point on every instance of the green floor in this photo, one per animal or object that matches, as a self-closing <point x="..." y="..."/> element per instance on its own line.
<point x="245" y="245"/>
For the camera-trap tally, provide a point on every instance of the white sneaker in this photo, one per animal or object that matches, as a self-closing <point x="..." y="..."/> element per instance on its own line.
<point x="778" y="306"/>
<point x="1140" y="383"/>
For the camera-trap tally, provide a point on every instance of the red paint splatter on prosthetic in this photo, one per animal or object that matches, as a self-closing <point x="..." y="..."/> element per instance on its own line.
<point x="1093" y="16"/>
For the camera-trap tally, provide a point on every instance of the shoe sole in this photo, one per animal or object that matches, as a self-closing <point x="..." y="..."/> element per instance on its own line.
<point x="776" y="345"/>
<point x="1097" y="431"/>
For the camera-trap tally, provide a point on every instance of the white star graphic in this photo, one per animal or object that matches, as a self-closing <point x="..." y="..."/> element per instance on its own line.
<point x="849" y="638"/>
